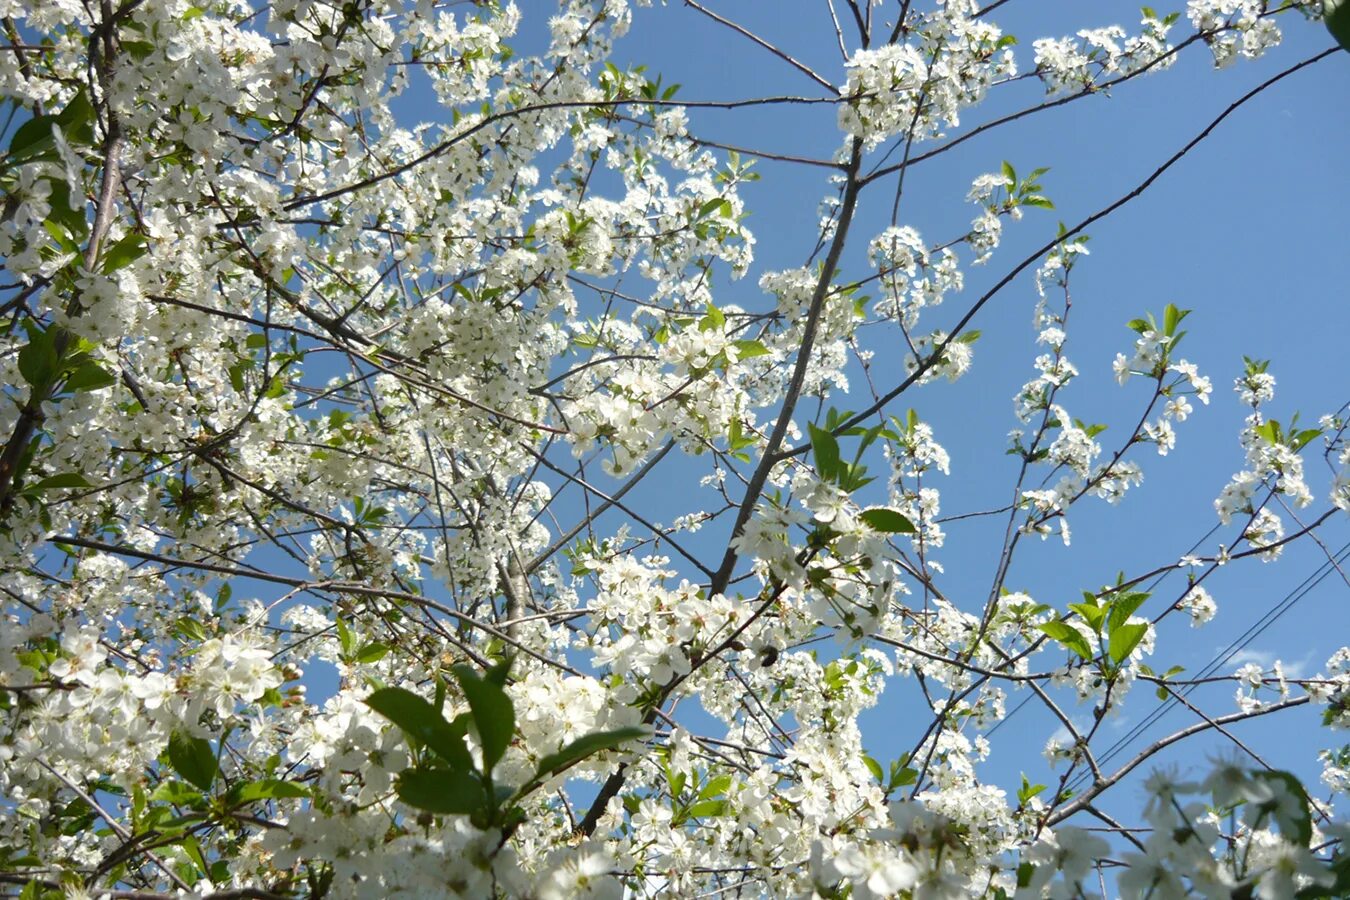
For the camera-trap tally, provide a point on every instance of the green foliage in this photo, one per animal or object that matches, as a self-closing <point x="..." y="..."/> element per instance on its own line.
<point x="881" y="518"/>
<point x="193" y="758"/>
<point x="446" y="780"/>
<point x="1337" y="17"/>
<point x="1107" y="617"/>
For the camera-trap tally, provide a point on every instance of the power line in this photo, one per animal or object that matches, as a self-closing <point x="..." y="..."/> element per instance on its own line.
<point x="1224" y="656"/>
<point x="1151" y="587"/>
<point x="1253" y="631"/>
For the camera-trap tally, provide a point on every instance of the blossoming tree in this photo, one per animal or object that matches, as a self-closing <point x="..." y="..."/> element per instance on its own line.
<point x="296" y="383"/>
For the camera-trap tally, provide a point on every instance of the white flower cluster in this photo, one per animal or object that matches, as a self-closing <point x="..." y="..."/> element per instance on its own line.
<point x="1199" y="604"/>
<point x="1271" y="856"/>
<point x="1066" y="65"/>
<point x="794" y="290"/>
<point x="1234" y="27"/>
<point x="913" y="277"/>
<point x="919" y="88"/>
<point x="1273" y="462"/>
<point x="951" y="362"/>
<point x="646" y="632"/>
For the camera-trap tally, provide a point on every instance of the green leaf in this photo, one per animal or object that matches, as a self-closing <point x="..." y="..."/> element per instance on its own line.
<point x="123" y="253"/>
<point x="709" y="205"/>
<point x="38" y="361"/>
<point x="64" y="480"/>
<point x="1124" y="639"/>
<point x="89" y="377"/>
<point x="347" y="640"/>
<point x="193" y="758"/>
<point x="62" y="216"/>
<point x="77" y="120"/>
<point x="372" y="652"/>
<point x="190" y="628"/>
<point x="715" y="319"/>
<point x="586" y="746"/>
<point x="1301" y="439"/>
<point x="1124" y="606"/>
<point x="236" y="373"/>
<point x="499" y="674"/>
<point x="675" y="781"/>
<point x="750" y="349"/>
<point x="493" y="714"/>
<point x="31" y="140"/>
<point x="715" y="787"/>
<point x="1171" y="318"/>
<point x="1069" y="637"/>
<point x="1093" y="614"/>
<point x="1028" y="790"/>
<point x="883" y="518"/>
<point x="902" y="776"/>
<point x="1337" y="17"/>
<point x="266" y="789"/>
<point x="443" y="791"/>
<point x="1011" y="174"/>
<point x="424" y="722"/>
<point x="707" y="809"/>
<point x="826" y="451"/>
<point x="176" y="792"/>
<point x="875" y="768"/>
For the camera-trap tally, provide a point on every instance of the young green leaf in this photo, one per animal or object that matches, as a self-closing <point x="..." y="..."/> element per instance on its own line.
<point x="193" y="758"/>
<point x="443" y="791"/>
<point x="38" y="360"/>
<point x="424" y="722"/>
<point x="586" y="746"/>
<point x="372" y="652"/>
<point x="715" y="787"/>
<point x="1124" y="639"/>
<point x="750" y="349"/>
<point x="707" y="809"/>
<point x="176" y="792"/>
<point x="89" y="377"/>
<point x="826" y="451"/>
<point x="493" y="714"/>
<point x="64" y="480"/>
<point x="1122" y="607"/>
<point x="1336" y="14"/>
<point x="883" y="518"/>
<point x="266" y="789"/>
<point x="1068" y="637"/>
<point x="121" y="254"/>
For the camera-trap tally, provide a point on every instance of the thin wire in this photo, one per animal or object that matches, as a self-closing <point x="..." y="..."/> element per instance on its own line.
<point x="1223" y="657"/>
<point x="1151" y="587"/>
